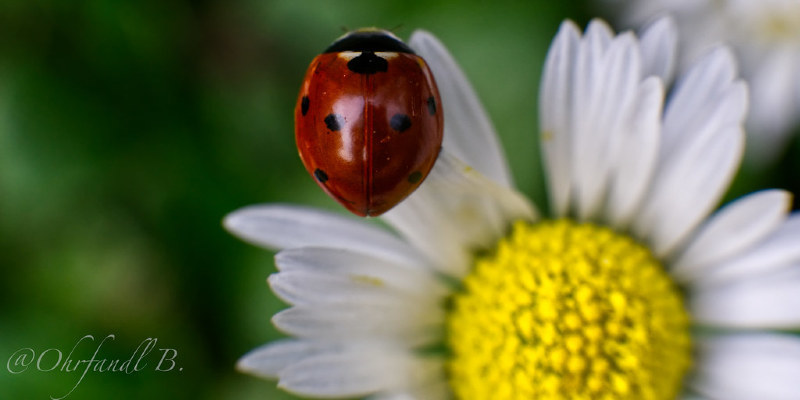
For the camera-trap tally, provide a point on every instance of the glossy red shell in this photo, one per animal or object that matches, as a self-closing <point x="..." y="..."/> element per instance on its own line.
<point x="368" y="139"/>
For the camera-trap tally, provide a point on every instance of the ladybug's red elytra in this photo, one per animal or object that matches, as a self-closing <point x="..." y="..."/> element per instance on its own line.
<point x="368" y="121"/>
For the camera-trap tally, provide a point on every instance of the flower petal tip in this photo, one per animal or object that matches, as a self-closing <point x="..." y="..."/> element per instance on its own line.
<point x="250" y="364"/>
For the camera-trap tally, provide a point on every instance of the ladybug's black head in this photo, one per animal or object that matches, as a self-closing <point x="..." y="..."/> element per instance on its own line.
<point x="369" y="39"/>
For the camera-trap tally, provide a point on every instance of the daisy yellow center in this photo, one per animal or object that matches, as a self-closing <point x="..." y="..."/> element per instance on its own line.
<point x="563" y="310"/>
<point x="780" y="25"/>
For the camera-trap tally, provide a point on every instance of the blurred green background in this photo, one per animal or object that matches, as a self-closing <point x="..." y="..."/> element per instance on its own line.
<point x="128" y="129"/>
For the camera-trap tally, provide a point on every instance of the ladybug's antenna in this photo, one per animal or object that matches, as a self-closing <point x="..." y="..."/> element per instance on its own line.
<point x="396" y="28"/>
<point x="344" y="28"/>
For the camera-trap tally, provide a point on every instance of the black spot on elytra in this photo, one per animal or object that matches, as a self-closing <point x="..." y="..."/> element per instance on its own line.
<point x="333" y="122"/>
<point x="368" y="63"/>
<point x="415" y="177"/>
<point x="431" y="106"/>
<point x="320" y="175"/>
<point x="400" y="122"/>
<point x="304" y="105"/>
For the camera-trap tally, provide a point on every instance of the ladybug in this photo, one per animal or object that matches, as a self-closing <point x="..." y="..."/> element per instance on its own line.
<point x="368" y="121"/>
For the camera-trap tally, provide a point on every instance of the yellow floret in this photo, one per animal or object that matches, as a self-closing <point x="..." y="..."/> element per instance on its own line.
<point x="563" y="310"/>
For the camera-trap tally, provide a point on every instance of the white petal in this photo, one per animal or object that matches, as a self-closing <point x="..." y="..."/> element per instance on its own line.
<point x="310" y="288"/>
<point x="350" y="373"/>
<point x="361" y="371"/>
<point x="686" y="189"/>
<point x="586" y="89"/>
<point x="726" y="108"/>
<point x="411" y="324"/>
<point x="587" y="80"/>
<point x="780" y="249"/>
<point x="768" y="301"/>
<point x="600" y="34"/>
<point x="436" y="391"/>
<point x="455" y="212"/>
<point x="696" y="96"/>
<point x="659" y="41"/>
<point x="775" y="102"/>
<point x="705" y="141"/>
<point x="393" y="396"/>
<point x="604" y="99"/>
<point x="589" y="145"/>
<point x="749" y="366"/>
<point x="637" y="155"/>
<point x="468" y="132"/>
<point x="555" y="114"/>
<point x="268" y="360"/>
<point x="733" y="229"/>
<point x="282" y="226"/>
<point x="428" y="384"/>
<point x="359" y="267"/>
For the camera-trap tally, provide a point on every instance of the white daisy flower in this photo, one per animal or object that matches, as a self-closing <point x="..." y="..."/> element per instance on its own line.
<point x="631" y="290"/>
<point x="765" y="36"/>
